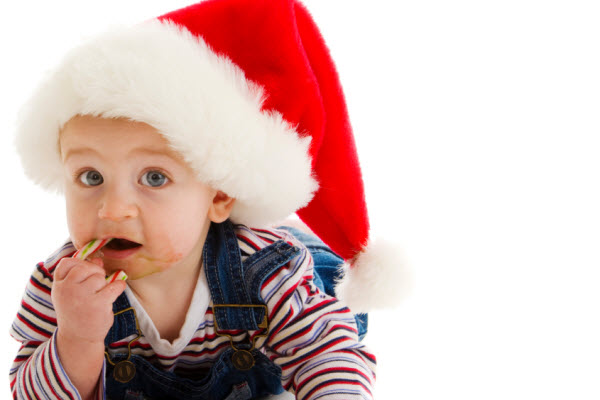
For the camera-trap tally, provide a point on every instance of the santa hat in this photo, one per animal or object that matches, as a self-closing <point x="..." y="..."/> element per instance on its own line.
<point x="247" y="92"/>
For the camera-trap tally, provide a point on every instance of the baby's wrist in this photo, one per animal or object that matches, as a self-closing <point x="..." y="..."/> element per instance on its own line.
<point x="74" y="344"/>
<point x="81" y="360"/>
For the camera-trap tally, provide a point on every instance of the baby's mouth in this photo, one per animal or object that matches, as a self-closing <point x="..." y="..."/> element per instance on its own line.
<point x="121" y="244"/>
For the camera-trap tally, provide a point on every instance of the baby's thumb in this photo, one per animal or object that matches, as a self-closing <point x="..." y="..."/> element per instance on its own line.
<point x="113" y="290"/>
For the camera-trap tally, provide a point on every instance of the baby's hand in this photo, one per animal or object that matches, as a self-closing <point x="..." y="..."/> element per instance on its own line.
<point x="83" y="300"/>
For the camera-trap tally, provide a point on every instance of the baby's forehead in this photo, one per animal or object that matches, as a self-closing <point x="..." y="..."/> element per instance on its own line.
<point x="89" y="134"/>
<point x="87" y="126"/>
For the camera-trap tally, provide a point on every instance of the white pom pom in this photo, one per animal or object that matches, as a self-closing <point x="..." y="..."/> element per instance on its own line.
<point x="379" y="278"/>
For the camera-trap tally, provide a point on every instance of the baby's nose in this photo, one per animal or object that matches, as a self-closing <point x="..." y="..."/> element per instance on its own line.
<point x="117" y="206"/>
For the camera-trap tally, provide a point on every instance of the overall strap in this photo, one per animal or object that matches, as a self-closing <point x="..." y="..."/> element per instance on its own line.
<point x="235" y="287"/>
<point x="124" y="324"/>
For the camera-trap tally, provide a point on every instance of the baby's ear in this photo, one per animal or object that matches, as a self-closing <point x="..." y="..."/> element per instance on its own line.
<point x="221" y="207"/>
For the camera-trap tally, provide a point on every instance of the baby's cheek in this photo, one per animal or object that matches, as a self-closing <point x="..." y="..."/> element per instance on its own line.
<point x="143" y="265"/>
<point x="135" y="269"/>
<point x="170" y="247"/>
<point x="80" y="228"/>
<point x="140" y="271"/>
<point x="163" y="261"/>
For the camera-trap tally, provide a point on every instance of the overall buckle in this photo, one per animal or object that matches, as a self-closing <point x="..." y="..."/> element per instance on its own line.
<point x="124" y="370"/>
<point x="243" y="359"/>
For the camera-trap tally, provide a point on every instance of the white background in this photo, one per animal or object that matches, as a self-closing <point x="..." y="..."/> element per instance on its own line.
<point x="477" y="124"/>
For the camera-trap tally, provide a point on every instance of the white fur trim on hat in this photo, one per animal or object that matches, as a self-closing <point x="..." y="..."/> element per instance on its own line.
<point x="160" y="74"/>
<point x="378" y="278"/>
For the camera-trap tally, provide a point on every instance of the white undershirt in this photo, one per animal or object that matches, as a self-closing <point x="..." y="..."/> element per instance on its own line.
<point x="194" y="317"/>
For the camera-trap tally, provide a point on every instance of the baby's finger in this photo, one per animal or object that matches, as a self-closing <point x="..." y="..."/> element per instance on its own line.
<point x="94" y="283"/>
<point x="111" y="291"/>
<point x="97" y="260"/>
<point x="82" y="270"/>
<point x="64" y="267"/>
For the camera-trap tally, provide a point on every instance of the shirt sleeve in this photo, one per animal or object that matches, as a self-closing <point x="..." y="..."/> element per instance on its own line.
<point x="36" y="372"/>
<point x="314" y="338"/>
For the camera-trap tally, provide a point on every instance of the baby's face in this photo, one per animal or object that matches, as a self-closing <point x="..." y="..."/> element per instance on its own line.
<point x="123" y="181"/>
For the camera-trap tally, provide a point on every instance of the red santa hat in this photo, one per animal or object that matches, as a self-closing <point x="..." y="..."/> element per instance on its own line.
<point x="247" y="92"/>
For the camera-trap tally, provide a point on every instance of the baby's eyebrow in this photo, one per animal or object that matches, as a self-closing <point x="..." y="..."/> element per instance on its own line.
<point x="137" y="150"/>
<point x="78" y="151"/>
<point x="172" y="155"/>
<point x="152" y="151"/>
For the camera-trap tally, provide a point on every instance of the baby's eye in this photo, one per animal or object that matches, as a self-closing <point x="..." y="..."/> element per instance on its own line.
<point x="154" y="179"/>
<point x="91" y="178"/>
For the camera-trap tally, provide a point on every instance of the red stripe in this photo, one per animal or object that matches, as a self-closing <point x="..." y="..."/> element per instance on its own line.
<point x="46" y="375"/>
<point x="44" y="271"/>
<point x="38" y="314"/>
<point x="204" y="352"/>
<point x="53" y="266"/>
<point x="332" y="370"/>
<point x="249" y="242"/>
<point x="205" y="340"/>
<point x="269" y="280"/>
<point x="335" y="382"/>
<point x="317" y="353"/>
<point x="30" y="374"/>
<point x="281" y="324"/>
<point x="55" y="373"/>
<point x="33" y="327"/>
<point x="23" y="384"/>
<point x="196" y="340"/>
<point x="270" y="241"/>
<point x="325" y="302"/>
<point x="284" y="298"/>
<point x="188" y="353"/>
<point x="113" y="278"/>
<point x="44" y="289"/>
<point x="363" y="353"/>
<point x="304" y="330"/>
<point x="272" y="233"/>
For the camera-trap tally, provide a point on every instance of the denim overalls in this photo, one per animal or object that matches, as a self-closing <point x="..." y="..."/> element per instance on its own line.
<point x="241" y="372"/>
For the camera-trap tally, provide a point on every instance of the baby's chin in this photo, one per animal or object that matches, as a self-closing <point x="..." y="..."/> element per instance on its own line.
<point x="135" y="270"/>
<point x="142" y="265"/>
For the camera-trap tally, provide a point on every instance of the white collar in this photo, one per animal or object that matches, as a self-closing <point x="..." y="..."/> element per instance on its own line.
<point x="195" y="315"/>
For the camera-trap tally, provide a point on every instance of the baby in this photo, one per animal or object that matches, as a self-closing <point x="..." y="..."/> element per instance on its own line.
<point x="172" y="138"/>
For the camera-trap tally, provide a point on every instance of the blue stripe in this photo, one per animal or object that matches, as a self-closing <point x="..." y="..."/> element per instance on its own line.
<point x="64" y="374"/>
<point x="337" y="391"/>
<point x="39" y="299"/>
<point x="315" y="335"/>
<point x="298" y="261"/>
<point x="332" y="359"/>
<point x="22" y="333"/>
<point x="37" y="377"/>
<point x="48" y="333"/>
<point x="103" y="378"/>
<point x="63" y="251"/>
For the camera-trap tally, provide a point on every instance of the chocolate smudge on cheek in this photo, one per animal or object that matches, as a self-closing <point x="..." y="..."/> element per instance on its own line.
<point x="152" y="265"/>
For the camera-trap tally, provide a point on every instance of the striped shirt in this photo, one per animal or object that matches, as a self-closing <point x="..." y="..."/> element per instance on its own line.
<point x="312" y="337"/>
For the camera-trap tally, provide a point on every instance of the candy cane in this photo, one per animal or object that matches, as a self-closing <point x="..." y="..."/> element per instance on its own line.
<point x="119" y="275"/>
<point x="93" y="247"/>
<point x="90" y="248"/>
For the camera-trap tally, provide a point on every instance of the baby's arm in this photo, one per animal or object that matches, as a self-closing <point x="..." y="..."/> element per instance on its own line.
<point x="83" y="303"/>
<point x="314" y="338"/>
<point x="41" y="368"/>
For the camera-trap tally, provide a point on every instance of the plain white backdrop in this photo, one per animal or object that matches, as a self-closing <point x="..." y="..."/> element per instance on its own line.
<point x="478" y="129"/>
